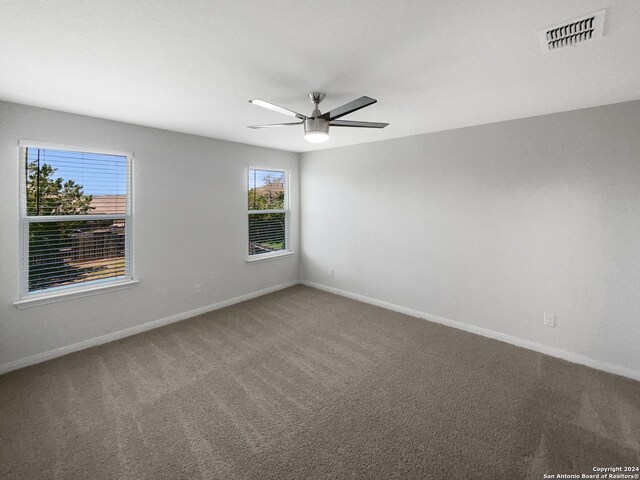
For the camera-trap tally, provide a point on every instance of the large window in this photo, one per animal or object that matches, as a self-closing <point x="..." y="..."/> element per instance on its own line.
<point x="76" y="219"/>
<point x="268" y="192"/>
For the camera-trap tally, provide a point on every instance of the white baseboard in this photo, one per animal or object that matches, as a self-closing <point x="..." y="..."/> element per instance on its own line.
<point x="538" y="347"/>
<point x="520" y="342"/>
<point x="110" y="337"/>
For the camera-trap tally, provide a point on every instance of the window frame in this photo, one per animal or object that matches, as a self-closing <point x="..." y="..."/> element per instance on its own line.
<point x="287" y="215"/>
<point x="55" y="294"/>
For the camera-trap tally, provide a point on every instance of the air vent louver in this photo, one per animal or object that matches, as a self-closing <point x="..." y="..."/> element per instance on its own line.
<point x="572" y="33"/>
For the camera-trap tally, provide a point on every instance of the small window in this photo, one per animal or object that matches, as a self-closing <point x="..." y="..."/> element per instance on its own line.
<point x="76" y="220"/>
<point x="268" y="192"/>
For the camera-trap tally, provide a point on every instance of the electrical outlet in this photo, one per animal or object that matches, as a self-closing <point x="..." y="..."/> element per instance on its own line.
<point x="197" y="288"/>
<point x="330" y="272"/>
<point x="550" y="320"/>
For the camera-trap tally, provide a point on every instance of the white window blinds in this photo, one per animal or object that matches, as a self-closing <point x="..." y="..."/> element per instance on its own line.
<point x="268" y="200"/>
<point x="76" y="219"/>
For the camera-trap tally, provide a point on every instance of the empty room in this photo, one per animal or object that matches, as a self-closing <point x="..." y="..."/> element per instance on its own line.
<point x="350" y="239"/>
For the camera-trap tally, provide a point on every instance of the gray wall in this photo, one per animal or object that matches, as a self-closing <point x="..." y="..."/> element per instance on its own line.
<point x="491" y="226"/>
<point x="190" y="227"/>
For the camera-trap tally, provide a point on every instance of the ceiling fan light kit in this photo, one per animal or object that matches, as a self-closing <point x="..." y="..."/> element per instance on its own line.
<point x="316" y="130"/>
<point x="316" y="126"/>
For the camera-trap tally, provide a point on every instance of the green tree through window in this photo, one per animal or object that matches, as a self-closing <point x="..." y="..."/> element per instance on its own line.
<point x="47" y="196"/>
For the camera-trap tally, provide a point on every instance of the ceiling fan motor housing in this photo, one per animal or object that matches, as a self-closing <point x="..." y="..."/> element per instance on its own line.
<point x="316" y="125"/>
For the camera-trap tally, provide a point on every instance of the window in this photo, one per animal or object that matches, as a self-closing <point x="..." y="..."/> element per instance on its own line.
<point x="76" y="220"/>
<point x="268" y="192"/>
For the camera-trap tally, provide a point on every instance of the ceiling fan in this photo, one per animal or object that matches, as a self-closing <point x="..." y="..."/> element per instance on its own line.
<point x="316" y="126"/>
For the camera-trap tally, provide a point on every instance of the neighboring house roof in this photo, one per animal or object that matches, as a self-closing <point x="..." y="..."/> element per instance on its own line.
<point x="108" y="204"/>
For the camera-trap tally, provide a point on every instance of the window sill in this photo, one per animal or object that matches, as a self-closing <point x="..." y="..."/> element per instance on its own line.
<point x="269" y="256"/>
<point x="60" y="297"/>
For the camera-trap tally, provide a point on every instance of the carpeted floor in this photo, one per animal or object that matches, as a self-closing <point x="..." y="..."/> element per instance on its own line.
<point x="302" y="384"/>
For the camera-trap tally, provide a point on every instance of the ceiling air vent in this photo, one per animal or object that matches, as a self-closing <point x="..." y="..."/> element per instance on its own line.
<point x="573" y="32"/>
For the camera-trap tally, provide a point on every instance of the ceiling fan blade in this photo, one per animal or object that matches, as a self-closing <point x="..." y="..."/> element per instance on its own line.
<point x="348" y="123"/>
<point x="276" y="108"/>
<point x="349" y="107"/>
<point x="271" y="125"/>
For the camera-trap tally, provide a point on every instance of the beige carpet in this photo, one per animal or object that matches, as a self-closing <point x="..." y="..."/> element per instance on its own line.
<point x="304" y="384"/>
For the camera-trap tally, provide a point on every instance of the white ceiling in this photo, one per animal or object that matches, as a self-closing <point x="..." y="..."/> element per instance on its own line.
<point x="192" y="65"/>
